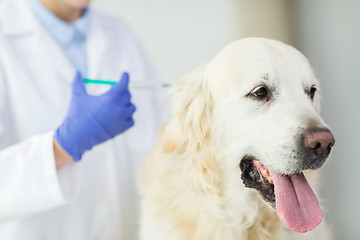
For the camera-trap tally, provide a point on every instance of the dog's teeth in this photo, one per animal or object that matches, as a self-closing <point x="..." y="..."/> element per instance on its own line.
<point x="265" y="172"/>
<point x="269" y="179"/>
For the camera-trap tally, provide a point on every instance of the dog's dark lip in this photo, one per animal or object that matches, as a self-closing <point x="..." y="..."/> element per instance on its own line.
<point x="252" y="178"/>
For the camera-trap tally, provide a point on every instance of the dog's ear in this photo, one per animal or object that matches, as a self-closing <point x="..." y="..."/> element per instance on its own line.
<point x="188" y="131"/>
<point x="191" y="113"/>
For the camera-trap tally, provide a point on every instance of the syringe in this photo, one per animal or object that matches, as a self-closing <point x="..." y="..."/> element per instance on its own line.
<point x="132" y="84"/>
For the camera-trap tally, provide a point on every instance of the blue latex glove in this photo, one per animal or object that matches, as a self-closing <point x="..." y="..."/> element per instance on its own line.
<point x="94" y="119"/>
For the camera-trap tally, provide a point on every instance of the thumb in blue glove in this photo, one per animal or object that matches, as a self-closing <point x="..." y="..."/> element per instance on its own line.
<point x="92" y="120"/>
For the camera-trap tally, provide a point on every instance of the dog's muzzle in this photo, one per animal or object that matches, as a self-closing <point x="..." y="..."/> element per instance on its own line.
<point x="291" y="195"/>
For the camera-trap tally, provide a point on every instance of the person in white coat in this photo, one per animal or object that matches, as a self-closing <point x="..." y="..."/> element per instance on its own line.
<point x="68" y="152"/>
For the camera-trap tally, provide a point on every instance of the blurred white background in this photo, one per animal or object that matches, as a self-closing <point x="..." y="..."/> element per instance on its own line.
<point x="178" y="35"/>
<point x="328" y="32"/>
<point x="181" y="35"/>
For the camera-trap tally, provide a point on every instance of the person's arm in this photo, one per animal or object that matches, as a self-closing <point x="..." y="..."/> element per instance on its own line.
<point x="29" y="180"/>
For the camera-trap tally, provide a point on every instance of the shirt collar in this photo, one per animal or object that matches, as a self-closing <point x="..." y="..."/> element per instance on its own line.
<point x="63" y="32"/>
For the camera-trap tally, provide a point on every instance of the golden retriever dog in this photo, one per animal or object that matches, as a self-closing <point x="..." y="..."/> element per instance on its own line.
<point x="237" y="157"/>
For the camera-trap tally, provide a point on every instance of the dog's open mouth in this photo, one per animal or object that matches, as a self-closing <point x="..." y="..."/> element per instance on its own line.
<point x="255" y="175"/>
<point x="291" y="195"/>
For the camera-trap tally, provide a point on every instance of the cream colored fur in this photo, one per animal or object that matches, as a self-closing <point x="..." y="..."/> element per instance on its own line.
<point x="191" y="182"/>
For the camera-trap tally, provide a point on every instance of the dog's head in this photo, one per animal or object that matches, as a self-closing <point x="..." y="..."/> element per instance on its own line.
<point x="259" y="99"/>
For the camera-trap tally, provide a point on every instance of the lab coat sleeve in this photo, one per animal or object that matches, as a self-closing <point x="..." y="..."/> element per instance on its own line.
<point x="29" y="182"/>
<point x="28" y="178"/>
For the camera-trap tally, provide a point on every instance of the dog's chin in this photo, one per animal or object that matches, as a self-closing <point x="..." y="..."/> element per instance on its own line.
<point x="255" y="176"/>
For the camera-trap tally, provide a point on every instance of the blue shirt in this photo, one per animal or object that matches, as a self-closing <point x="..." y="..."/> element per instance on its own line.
<point x="70" y="36"/>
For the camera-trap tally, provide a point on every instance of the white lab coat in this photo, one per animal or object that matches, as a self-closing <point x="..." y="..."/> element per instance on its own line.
<point x="97" y="197"/>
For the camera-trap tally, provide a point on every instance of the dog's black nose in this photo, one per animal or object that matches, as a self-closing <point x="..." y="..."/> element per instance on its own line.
<point x="318" y="143"/>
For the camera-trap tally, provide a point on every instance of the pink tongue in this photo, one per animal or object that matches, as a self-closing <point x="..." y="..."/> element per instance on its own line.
<point x="296" y="203"/>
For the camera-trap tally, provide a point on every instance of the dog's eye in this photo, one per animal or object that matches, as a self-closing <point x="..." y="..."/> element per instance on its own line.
<point x="261" y="93"/>
<point x="312" y="92"/>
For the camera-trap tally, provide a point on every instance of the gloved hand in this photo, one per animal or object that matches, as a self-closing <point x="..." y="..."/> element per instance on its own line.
<point x="94" y="119"/>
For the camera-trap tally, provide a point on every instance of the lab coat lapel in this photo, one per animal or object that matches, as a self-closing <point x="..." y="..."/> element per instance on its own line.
<point x="99" y="54"/>
<point x="99" y="48"/>
<point x="11" y="11"/>
<point x="48" y="52"/>
<point x="53" y="56"/>
<point x="96" y="46"/>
